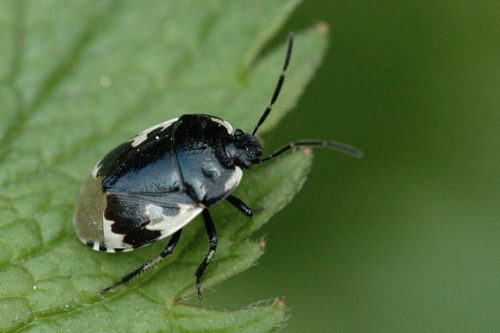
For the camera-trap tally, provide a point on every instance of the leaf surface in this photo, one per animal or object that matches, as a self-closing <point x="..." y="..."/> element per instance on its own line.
<point x="78" y="78"/>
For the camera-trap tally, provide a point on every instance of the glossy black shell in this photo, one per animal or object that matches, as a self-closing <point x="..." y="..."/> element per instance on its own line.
<point x="188" y="157"/>
<point x="180" y="164"/>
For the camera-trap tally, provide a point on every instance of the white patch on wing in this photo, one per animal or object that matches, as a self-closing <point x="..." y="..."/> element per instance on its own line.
<point x="109" y="250"/>
<point x="96" y="170"/>
<point x="234" y="180"/>
<point x="223" y="123"/>
<point x="112" y="240"/>
<point x="168" y="224"/>
<point x="155" y="213"/>
<point x="141" y="137"/>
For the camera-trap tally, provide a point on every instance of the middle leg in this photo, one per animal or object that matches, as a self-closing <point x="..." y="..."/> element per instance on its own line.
<point x="212" y="239"/>
<point x="153" y="262"/>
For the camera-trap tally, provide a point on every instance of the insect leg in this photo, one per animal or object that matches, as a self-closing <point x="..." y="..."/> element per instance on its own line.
<point x="212" y="238"/>
<point x="168" y="250"/>
<point x="331" y="144"/>
<point x="240" y="205"/>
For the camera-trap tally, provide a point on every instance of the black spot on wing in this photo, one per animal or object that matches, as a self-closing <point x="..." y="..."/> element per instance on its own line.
<point x="129" y="219"/>
<point x="129" y="215"/>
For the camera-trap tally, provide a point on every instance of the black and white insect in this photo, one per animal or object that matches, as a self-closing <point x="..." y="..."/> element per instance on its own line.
<point x="151" y="186"/>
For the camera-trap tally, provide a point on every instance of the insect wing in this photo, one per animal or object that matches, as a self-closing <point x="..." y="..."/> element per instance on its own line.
<point x="136" y="219"/>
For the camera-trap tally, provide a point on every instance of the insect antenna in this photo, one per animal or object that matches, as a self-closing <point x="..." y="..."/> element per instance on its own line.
<point x="278" y="85"/>
<point x="331" y="144"/>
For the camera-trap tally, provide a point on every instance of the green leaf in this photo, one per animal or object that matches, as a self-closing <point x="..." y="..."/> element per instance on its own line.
<point x="79" y="77"/>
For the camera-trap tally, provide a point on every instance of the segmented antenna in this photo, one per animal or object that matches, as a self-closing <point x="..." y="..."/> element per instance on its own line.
<point x="342" y="147"/>
<point x="278" y="85"/>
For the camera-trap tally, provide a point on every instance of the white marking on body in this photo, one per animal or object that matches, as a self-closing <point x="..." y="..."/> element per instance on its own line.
<point x="234" y="180"/>
<point x="223" y="123"/>
<point x="155" y="213"/>
<point x="141" y="137"/>
<point x="112" y="240"/>
<point x="168" y="224"/>
<point x="96" y="170"/>
<point x="122" y="250"/>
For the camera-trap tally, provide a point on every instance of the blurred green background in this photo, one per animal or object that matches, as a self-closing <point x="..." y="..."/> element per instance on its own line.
<point x="407" y="239"/>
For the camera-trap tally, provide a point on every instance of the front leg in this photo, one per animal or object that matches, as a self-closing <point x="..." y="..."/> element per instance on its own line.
<point x="212" y="238"/>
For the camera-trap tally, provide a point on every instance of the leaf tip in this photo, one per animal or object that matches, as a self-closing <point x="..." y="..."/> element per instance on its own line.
<point x="307" y="150"/>
<point x="323" y="27"/>
<point x="262" y="244"/>
<point x="281" y="304"/>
